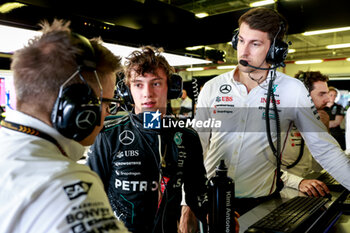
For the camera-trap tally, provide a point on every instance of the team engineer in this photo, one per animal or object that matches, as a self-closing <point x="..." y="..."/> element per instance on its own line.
<point x="296" y="157"/>
<point x="238" y="99"/>
<point x="59" y="79"/>
<point x="143" y="169"/>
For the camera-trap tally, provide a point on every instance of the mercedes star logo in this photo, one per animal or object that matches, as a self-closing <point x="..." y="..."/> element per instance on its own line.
<point x="86" y="119"/>
<point x="126" y="137"/>
<point x="226" y="88"/>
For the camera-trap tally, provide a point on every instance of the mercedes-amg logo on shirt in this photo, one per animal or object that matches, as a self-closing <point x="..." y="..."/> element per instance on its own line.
<point x="126" y="137"/>
<point x="224" y="89"/>
<point x="86" y="119"/>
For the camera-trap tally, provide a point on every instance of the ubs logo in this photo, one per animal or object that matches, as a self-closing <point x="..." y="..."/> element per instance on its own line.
<point x="126" y="137"/>
<point x="127" y="153"/>
<point x="226" y="88"/>
<point x="224" y="98"/>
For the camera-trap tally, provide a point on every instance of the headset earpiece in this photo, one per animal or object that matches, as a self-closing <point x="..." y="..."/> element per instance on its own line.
<point x="277" y="53"/>
<point x="124" y="92"/>
<point x="235" y="39"/>
<point x="175" y="87"/>
<point x="278" y="49"/>
<point x="76" y="112"/>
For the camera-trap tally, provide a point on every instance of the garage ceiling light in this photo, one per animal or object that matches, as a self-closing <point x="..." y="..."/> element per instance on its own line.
<point x="9" y="6"/>
<point x="195" y="47"/>
<point x="261" y="3"/>
<point x="338" y="46"/>
<point x="225" y="67"/>
<point x="308" y="62"/>
<point x="202" y="15"/>
<point x="195" y="69"/>
<point x="310" y="33"/>
<point x="12" y="39"/>
<point x="173" y="59"/>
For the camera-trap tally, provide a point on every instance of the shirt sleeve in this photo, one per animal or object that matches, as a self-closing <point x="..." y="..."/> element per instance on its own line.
<point x="73" y="203"/>
<point x="347" y="132"/>
<point x="291" y="180"/>
<point x="323" y="147"/>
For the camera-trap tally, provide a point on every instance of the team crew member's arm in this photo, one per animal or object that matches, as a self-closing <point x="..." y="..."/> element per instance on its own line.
<point x="323" y="147"/>
<point x="336" y="122"/>
<point x="195" y="186"/>
<point x="195" y="181"/>
<point x="311" y="187"/>
<point x="73" y="203"/>
<point x="290" y="180"/>
<point x="99" y="158"/>
<point x="188" y="222"/>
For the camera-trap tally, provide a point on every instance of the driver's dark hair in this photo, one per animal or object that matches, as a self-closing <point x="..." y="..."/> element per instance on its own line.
<point x="148" y="60"/>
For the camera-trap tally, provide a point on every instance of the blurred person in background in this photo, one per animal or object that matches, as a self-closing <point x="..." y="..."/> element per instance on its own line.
<point x="336" y="116"/>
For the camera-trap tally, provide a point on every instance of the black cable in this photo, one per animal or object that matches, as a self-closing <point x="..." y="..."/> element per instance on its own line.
<point x="255" y="80"/>
<point x="267" y="117"/>
<point x="252" y="71"/>
<point x="279" y="184"/>
<point x="195" y="90"/>
<point x="276" y="151"/>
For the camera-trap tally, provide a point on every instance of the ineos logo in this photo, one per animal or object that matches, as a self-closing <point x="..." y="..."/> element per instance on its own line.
<point x="126" y="137"/>
<point x="224" y="89"/>
<point x="86" y="119"/>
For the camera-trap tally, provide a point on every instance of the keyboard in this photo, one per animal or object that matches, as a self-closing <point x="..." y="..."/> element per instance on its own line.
<point x="294" y="215"/>
<point x="326" y="178"/>
<point x="331" y="183"/>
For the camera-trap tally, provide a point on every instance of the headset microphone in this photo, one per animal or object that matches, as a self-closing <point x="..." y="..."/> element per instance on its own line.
<point x="245" y="63"/>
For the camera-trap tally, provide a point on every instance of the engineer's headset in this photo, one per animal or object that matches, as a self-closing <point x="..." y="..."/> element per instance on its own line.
<point x="278" y="49"/>
<point x="175" y="86"/>
<point x="77" y="110"/>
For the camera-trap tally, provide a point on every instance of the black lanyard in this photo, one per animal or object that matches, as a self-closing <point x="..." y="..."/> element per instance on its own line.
<point x="31" y="131"/>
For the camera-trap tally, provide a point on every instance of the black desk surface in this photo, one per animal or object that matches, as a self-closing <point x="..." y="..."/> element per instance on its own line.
<point x="252" y="216"/>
